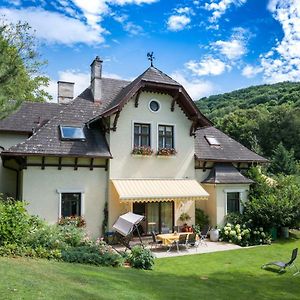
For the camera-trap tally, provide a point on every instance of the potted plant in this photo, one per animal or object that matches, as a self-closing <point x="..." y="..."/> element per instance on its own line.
<point x="142" y="150"/>
<point x="184" y="217"/>
<point x="166" y="152"/>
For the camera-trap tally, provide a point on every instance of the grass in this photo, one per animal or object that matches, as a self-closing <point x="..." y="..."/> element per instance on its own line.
<point x="232" y="274"/>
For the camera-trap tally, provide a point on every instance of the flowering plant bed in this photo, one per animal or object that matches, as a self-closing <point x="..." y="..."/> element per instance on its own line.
<point x="143" y="150"/>
<point x="166" y="152"/>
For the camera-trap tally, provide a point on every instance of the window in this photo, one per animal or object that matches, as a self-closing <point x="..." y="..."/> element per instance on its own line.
<point x="233" y="202"/>
<point x="141" y="135"/>
<point x="212" y="140"/>
<point x="154" y="106"/>
<point x="70" y="204"/>
<point x="165" y="136"/>
<point x="71" y="133"/>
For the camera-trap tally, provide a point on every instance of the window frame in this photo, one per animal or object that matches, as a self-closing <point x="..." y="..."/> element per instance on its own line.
<point x="173" y="136"/>
<point x="159" y="105"/>
<point x="236" y="204"/>
<point x="140" y="134"/>
<point x="63" y="138"/>
<point x="243" y="192"/>
<point x="71" y="191"/>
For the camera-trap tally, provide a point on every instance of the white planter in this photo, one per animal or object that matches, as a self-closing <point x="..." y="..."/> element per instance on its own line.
<point x="214" y="235"/>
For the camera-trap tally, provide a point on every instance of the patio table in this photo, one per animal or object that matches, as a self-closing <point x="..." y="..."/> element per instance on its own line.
<point x="168" y="238"/>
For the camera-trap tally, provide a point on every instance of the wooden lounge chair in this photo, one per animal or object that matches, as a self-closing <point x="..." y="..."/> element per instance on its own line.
<point x="282" y="265"/>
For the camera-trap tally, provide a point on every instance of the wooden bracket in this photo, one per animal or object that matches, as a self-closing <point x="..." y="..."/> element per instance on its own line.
<point x="59" y="163"/>
<point x="106" y="165"/>
<point x="137" y="97"/>
<point x="174" y="101"/>
<point x="92" y="164"/>
<point x="204" y="166"/>
<point x="116" y="121"/>
<point x="43" y="163"/>
<point x="76" y="164"/>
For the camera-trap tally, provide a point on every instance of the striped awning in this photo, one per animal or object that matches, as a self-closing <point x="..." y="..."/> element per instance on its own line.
<point x="144" y="190"/>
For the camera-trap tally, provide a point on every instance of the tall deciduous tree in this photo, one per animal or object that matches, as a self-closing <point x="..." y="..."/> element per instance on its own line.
<point x="20" y="67"/>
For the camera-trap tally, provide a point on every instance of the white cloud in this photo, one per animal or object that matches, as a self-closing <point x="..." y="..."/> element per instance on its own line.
<point x="282" y="62"/>
<point x="233" y="49"/>
<point x="184" y="10"/>
<point x="54" y="27"/>
<point x="250" y="71"/>
<point x="132" y="28"/>
<point x="196" y="88"/>
<point x="219" y="8"/>
<point x="207" y="66"/>
<point x="178" y="22"/>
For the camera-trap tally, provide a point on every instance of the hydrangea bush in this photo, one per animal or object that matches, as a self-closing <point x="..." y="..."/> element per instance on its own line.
<point x="244" y="235"/>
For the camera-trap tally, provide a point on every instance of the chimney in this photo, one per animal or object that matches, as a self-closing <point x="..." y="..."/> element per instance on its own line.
<point x="96" y="74"/>
<point x="65" y="92"/>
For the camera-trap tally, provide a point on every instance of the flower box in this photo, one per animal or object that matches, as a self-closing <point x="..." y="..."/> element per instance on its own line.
<point x="166" y="152"/>
<point x="142" y="151"/>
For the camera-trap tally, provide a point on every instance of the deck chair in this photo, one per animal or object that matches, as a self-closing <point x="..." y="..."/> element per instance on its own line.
<point x="203" y="234"/>
<point x="282" y="265"/>
<point x="154" y="241"/>
<point x="191" y="240"/>
<point x="182" y="241"/>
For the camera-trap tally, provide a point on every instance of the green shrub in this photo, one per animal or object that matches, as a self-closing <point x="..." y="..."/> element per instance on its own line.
<point x="244" y="235"/>
<point x="201" y="218"/>
<point x="99" y="255"/>
<point x="12" y="250"/>
<point x="15" y="222"/>
<point x="141" y="258"/>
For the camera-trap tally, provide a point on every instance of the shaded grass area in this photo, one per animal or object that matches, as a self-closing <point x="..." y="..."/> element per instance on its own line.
<point x="232" y="274"/>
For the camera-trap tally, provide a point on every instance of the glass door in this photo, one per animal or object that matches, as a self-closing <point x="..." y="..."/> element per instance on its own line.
<point x="166" y="217"/>
<point x="152" y="217"/>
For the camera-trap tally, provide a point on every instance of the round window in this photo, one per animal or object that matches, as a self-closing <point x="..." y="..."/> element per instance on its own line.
<point x="154" y="105"/>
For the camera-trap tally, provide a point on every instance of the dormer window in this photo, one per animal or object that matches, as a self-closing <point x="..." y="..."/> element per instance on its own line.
<point x="73" y="133"/>
<point x="212" y="140"/>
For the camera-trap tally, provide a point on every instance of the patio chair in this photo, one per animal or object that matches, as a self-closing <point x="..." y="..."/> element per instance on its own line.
<point x="182" y="241"/>
<point x="282" y="265"/>
<point x="191" y="240"/>
<point x="203" y="234"/>
<point x="154" y="241"/>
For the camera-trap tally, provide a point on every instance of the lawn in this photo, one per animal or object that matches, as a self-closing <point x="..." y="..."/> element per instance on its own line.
<point x="232" y="274"/>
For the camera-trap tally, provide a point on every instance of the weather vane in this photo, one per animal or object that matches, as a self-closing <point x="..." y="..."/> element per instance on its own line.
<point x="151" y="57"/>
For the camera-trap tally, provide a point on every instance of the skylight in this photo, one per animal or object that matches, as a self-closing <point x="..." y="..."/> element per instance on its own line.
<point x="71" y="133"/>
<point x="212" y="140"/>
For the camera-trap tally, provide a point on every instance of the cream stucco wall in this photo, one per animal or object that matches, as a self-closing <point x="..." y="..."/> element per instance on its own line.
<point x="124" y="165"/>
<point x="8" y="177"/>
<point x="41" y="189"/>
<point x="215" y="207"/>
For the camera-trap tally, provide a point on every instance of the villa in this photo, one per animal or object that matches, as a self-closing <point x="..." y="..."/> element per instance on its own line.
<point x="140" y="146"/>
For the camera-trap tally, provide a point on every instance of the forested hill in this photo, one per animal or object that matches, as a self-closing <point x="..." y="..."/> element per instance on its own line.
<point x="268" y="94"/>
<point x="260" y="117"/>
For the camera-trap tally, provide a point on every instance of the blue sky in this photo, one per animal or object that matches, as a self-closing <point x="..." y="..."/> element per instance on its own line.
<point x="209" y="46"/>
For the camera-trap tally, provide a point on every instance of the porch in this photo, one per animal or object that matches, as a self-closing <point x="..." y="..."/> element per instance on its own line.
<point x="161" y="252"/>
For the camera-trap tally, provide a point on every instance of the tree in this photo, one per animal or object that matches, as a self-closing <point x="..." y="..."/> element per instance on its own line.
<point x="20" y="67"/>
<point x="283" y="161"/>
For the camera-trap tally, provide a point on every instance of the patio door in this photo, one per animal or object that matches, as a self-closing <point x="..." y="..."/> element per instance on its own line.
<point x="159" y="216"/>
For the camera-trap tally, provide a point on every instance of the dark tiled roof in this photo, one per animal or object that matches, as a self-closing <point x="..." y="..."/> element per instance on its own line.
<point x="150" y="75"/>
<point x="46" y="141"/>
<point x="229" y="149"/>
<point x="226" y="173"/>
<point x="28" y="116"/>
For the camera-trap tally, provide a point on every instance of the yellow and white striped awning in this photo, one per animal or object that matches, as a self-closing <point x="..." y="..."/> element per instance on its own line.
<point x="144" y="190"/>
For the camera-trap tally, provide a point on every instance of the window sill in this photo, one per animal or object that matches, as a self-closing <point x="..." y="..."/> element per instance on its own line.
<point x="140" y="155"/>
<point x="166" y="156"/>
